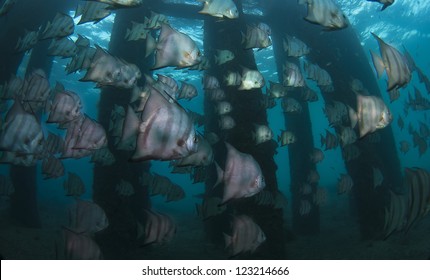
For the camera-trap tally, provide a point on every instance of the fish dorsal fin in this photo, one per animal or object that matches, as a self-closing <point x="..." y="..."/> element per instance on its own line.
<point x="378" y="63"/>
<point x="16" y="109"/>
<point x="385" y="6"/>
<point x="206" y="4"/>
<point x="80" y="9"/>
<point x="171" y="99"/>
<point x="82" y="41"/>
<point x="166" y="31"/>
<point x="99" y="52"/>
<point x="47" y="27"/>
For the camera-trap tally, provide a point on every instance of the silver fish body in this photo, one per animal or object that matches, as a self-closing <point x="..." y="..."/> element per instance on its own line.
<point x="175" y="49"/>
<point x="204" y="155"/>
<point x="393" y="62"/>
<point x="295" y="47"/>
<point x="63" y="47"/>
<point x="61" y="26"/>
<point x="255" y="38"/>
<point x="220" y="8"/>
<point x="87" y="217"/>
<point x="28" y="41"/>
<point x="164" y="131"/>
<point x="372" y="114"/>
<point x="21" y="132"/>
<point x="325" y="13"/>
<point x="108" y="70"/>
<point x="92" y="12"/>
<point x="119" y="3"/>
<point x="242" y="176"/>
<point x="246" y="236"/>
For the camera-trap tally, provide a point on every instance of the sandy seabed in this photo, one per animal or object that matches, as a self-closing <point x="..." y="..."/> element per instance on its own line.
<point x="339" y="238"/>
